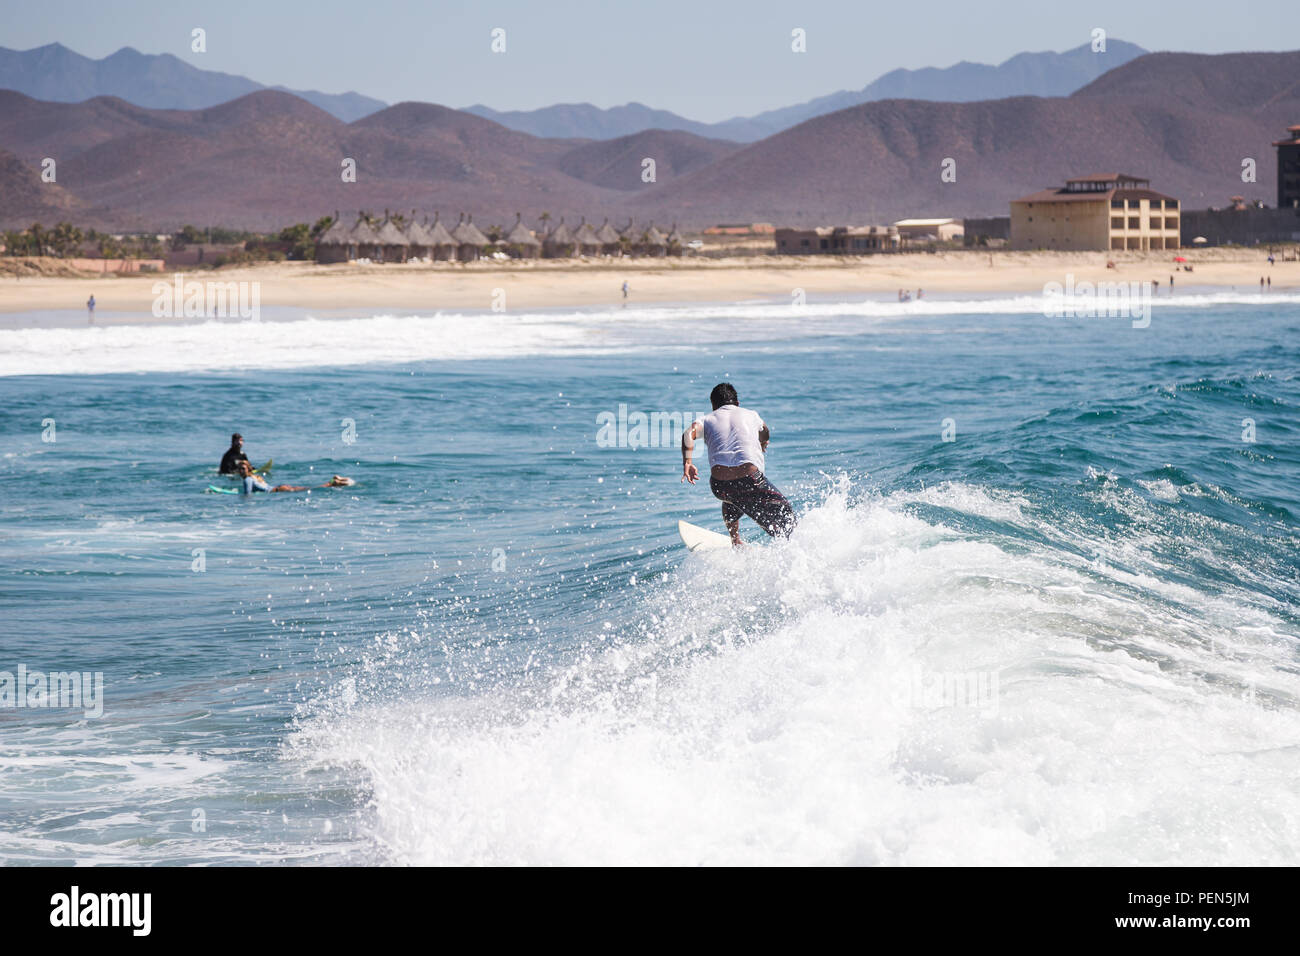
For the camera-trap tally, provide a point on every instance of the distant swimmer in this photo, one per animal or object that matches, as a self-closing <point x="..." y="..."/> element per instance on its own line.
<point x="254" y="483"/>
<point x="90" y="305"/>
<point x="737" y="440"/>
<point x="230" y="461"/>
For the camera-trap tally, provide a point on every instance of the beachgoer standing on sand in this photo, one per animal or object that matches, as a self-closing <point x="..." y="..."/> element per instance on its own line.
<point x="625" y="288"/>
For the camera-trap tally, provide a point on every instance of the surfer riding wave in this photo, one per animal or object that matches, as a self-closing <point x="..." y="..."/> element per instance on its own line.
<point x="737" y="441"/>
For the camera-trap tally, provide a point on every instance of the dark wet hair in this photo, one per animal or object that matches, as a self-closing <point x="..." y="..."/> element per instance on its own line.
<point x="724" y="394"/>
<point x="236" y="437"/>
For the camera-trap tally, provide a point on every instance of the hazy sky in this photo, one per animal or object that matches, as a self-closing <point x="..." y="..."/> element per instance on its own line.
<point x="705" y="59"/>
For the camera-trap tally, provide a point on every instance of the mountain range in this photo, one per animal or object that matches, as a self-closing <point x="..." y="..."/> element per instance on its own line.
<point x="159" y="81"/>
<point x="269" y="158"/>
<point x="1186" y="121"/>
<point x="162" y="81"/>
<point x="1026" y="74"/>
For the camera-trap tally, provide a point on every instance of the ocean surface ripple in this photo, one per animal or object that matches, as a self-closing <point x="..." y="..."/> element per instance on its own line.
<point x="1041" y="607"/>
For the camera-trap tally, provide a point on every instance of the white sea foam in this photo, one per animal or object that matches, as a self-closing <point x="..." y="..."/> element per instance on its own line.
<point x="773" y="707"/>
<point x="378" y="339"/>
<point x="1163" y="488"/>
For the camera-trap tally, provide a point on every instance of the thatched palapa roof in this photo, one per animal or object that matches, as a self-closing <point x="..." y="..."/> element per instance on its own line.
<point x="520" y="234"/>
<point x="336" y="235"/>
<point x="586" y="236"/>
<point x="652" y="236"/>
<point x="560" y="235"/>
<point x="438" y="234"/>
<point x="390" y="235"/>
<point x="417" y="235"/>
<point x="607" y="234"/>
<point x="363" y="234"/>
<point x="468" y="234"/>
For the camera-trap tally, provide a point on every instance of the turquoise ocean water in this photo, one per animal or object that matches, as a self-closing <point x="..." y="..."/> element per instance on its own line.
<point x="494" y="650"/>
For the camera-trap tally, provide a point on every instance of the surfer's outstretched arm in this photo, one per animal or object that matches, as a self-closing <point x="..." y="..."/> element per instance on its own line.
<point x="689" y="471"/>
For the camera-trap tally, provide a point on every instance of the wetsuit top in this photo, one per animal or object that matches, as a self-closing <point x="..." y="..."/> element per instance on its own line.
<point x="230" y="461"/>
<point x="253" y="483"/>
<point x="731" y="432"/>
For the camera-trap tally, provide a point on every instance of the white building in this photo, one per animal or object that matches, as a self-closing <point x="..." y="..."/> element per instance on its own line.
<point x="930" y="230"/>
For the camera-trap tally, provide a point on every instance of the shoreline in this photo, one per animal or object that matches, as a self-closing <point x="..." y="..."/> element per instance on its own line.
<point x="553" y="284"/>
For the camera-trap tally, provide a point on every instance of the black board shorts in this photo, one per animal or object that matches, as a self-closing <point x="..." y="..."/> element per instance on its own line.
<point x="757" y="497"/>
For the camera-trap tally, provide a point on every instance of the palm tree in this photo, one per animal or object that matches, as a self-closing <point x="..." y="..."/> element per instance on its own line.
<point x="65" y="238"/>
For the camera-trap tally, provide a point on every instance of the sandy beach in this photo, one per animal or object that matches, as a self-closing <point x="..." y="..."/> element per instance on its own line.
<point x="592" y="283"/>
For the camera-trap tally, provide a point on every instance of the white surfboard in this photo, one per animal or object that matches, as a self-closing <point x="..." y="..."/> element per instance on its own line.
<point x="701" y="539"/>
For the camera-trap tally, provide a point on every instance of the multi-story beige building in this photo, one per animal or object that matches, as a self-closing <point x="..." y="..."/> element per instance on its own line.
<point x="1108" y="211"/>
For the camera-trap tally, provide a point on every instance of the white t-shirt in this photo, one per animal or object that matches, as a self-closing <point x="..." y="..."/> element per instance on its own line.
<point x="731" y="432"/>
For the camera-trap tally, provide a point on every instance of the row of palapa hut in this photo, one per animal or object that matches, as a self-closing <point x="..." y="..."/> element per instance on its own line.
<point x="402" y="240"/>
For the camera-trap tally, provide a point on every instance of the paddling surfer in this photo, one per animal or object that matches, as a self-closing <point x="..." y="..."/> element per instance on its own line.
<point x="254" y="483"/>
<point x="230" y="461"/>
<point x="737" y="440"/>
